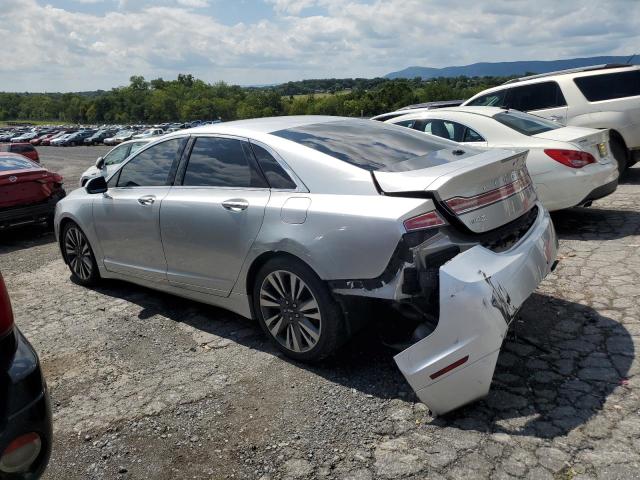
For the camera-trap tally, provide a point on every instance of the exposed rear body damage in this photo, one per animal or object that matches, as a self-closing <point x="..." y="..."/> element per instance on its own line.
<point x="480" y="293"/>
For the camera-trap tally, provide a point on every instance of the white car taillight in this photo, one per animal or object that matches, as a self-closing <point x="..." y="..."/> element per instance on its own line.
<point x="460" y="205"/>
<point x="424" y="221"/>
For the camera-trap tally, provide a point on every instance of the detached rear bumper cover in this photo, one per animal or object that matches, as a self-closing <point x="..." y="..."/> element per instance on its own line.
<point x="480" y="293"/>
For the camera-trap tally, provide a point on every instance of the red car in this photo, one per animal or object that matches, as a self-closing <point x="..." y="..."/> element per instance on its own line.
<point x="38" y="140"/>
<point x="25" y="149"/>
<point x="47" y="140"/>
<point x="28" y="191"/>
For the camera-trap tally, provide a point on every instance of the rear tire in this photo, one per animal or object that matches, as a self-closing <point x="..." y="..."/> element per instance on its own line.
<point x="79" y="255"/>
<point x="620" y="153"/>
<point x="297" y="311"/>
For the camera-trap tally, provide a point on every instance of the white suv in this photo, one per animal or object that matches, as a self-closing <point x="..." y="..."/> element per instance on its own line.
<point x="603" y="96"/>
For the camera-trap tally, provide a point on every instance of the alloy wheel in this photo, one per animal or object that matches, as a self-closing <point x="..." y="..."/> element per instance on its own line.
<point x="290" y="311"/>
<point x="78" y="253"/>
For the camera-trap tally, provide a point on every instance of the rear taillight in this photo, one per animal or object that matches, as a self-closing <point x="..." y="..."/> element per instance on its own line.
<point x="424" y="221"/>
<point x="6" y="315"/>
<point x="571" y="158"/>
<point x="19" y="456"/>
<point x="460" y="205"/>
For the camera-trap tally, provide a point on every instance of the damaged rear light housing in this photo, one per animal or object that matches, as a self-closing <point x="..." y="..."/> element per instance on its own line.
<point x="424" y="221"/>
<point x="571" y="158"/>
<point x="19" y="456"/>
<point x="460" y="205"/>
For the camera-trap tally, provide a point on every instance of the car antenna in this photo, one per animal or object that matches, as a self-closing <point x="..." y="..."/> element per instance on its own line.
<point x="631" y="58"/>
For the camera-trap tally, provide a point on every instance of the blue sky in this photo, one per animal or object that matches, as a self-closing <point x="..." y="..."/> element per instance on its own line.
<point x="71" y="45"/>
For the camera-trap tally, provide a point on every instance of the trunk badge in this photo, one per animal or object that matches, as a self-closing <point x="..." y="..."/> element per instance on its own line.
<point x="13" y="179"/>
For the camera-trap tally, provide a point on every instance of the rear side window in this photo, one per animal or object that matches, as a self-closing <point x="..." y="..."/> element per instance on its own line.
<point x="22" y="148"/>
<point x="15" y="163"/>
<point x="153" y="167"/>
<point x="525" y="123"/>
<point x="222" y="162"/>
<point x="536" y="96"/>
<point x="276" y="176"/>
<point x="442" y="128"/>
<point x="493" y="99"/>
<point x="609" y="86"/>
<point x="373" y="146"/>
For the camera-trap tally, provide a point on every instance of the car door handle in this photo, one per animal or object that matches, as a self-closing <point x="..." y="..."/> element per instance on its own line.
<point x="235" y="204"/>
<point x="147" y="200"/>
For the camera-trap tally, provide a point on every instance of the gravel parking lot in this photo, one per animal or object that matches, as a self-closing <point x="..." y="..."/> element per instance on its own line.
<point x="146" y="385"/>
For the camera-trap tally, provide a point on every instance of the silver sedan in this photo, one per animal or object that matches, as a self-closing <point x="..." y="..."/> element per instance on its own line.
<point x="297" y="221"/>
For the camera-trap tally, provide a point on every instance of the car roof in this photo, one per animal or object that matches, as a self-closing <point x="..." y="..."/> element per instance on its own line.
<point x="137" y="140"/>
<point x="587" y="70"/>
<point x="262" y="125"/>
<point x="483" y="111"/>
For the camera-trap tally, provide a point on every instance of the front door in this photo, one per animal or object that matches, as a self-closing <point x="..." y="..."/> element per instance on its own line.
<point x="127" y="216"/>
<point x="211" y="218"/>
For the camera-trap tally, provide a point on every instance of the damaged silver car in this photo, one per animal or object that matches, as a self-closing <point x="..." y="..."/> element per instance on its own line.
<point x="296" y="221"/>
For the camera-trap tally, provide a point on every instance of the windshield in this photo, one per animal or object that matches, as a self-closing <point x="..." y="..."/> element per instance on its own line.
<point x="525" y="123"/>
<point x="370" y="145"/>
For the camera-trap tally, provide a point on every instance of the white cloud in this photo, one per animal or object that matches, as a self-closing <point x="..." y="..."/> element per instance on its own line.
<point x="193" y="3"/>
<point x="56" y="49"/>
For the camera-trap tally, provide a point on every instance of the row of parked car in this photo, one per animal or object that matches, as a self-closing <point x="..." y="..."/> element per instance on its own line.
<point x="440" y="213"/>
<point x="73" y="136"/>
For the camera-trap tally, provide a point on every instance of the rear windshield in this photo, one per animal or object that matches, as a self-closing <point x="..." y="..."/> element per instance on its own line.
<point x="370" y="145"/>
<point x="609" y="86"/>
<point x="15" y="163"/>
<point x="525" y="123"/>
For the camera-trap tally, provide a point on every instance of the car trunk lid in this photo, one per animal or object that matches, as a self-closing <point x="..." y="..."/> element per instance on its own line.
<point x="484" y="191"/>
<point x="26" y="186"/>
<point x="589" y="140"/>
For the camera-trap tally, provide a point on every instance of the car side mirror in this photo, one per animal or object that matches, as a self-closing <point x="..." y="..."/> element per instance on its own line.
<point x="97" y="185"/>
<point x="100" y="163"/>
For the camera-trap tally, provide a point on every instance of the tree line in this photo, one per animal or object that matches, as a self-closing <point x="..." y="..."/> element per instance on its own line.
<point x="188" y="98"/>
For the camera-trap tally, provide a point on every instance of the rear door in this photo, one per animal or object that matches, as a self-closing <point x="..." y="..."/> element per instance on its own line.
<point x="211" y="217"/>
<point x="127" y="216"/>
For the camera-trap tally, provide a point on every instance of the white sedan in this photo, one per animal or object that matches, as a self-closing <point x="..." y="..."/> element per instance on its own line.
<point x="570" y="166"/>
<point x="108" y="164"/>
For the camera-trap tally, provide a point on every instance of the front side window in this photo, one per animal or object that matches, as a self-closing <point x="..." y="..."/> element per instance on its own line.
<point x="136" y="146"/>
<point x="493" y="99"/>
<point x="276" y="175"/>
<point x="609" y="86"/>
<point x="153" y="167"/>
<point x="524" y="123"/>
<point x="117" y="155"/>
<point x="222" y="162"/>
<point x="405" y="123"/>
<point x="536" y="96"/>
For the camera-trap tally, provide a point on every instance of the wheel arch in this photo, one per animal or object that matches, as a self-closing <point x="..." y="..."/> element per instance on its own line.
<point x="260" y="261"/>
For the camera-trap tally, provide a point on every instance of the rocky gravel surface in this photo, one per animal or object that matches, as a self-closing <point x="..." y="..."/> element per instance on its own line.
<point x="149" y="386"/>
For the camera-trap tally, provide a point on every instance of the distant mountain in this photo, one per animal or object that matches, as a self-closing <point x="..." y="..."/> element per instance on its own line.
<point x="504" y="69"/>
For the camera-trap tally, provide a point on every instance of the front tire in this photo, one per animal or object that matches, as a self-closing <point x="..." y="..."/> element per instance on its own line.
<point x="297" y="311"/>
<point x="79" y="255"/>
